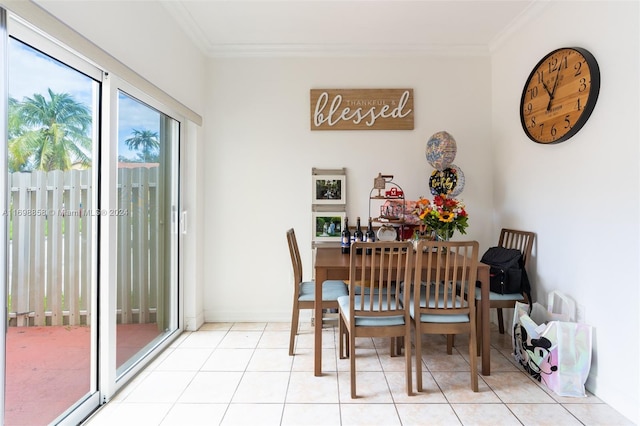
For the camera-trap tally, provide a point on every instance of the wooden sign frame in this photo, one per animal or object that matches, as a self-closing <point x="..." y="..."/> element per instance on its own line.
<point x="361" y="109"/>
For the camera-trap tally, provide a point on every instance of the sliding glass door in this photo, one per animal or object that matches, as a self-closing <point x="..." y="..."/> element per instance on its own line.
<point x="91" y="175"/>
<point x="147" y="205"/>
<point x="52" y="157"/>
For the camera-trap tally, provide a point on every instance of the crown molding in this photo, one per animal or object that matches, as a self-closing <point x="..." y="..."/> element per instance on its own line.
<point x="341" y="50"/>
<point x="212" y="50"/>
<point x="531" y="12"/>
<point x="187" y="24"/>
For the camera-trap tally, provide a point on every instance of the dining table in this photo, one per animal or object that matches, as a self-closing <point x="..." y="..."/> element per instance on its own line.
<point x="331" y="264"/>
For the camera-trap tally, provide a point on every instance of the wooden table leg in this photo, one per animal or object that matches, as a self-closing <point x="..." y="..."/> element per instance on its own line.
<point x="321" y="276"/>
<point x="479" y="326"/>
<point x="484" y="307"/>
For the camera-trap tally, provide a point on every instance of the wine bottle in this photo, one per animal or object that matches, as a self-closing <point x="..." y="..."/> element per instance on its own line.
<point x="345" y="243"/>
<point x="358" y="235"/>
<point x="370" y="236"/>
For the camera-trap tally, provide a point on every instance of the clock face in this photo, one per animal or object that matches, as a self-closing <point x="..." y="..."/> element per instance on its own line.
<point x="559" y="95"/>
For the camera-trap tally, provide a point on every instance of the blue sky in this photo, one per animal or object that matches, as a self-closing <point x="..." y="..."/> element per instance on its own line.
<point x="32" y="72"/>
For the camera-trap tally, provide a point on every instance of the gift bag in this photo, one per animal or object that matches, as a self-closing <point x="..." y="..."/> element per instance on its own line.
<point x="569" y="359"/>
<point x="528" y="348"/>
<point x="551" y="347"/>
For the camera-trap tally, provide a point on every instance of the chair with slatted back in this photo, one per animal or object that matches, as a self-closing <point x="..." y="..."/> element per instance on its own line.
<point x="438" y="303"/>
<point x="377" y="309"/>
<point x="304" y="291"/>
<point x="513" y="239"/>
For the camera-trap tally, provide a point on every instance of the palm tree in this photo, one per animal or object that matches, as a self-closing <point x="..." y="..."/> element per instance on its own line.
<point x="48" y="134"/>
<point x="18" y="155"/>
<point x="147" y="142"/>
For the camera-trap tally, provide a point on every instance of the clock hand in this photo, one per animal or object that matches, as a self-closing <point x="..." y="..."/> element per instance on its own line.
<point x="555" y="83"/>
<point x="553" y="91"/>
<point x="548" y="93"/>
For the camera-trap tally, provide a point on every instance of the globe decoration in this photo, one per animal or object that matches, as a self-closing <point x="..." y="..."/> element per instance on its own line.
<point x="443" y="182"/>
<point x="441" y="150"/>
<point x="460" y="181"/>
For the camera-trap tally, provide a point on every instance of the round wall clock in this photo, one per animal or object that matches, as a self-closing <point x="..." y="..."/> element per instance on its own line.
<point x="559" y="95"/>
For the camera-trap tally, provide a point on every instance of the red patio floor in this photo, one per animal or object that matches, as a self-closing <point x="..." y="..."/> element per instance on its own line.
<point x="48" y="368"/>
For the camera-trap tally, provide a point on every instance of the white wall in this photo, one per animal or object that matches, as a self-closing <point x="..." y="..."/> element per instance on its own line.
<point x="581" y="197"/>
<point x="260" y="150"/>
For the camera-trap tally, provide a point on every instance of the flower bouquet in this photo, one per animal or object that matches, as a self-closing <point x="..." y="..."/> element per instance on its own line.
<point x="442" y="216"/>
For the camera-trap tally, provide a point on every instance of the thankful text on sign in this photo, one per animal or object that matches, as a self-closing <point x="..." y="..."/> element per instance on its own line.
<point x="361" y="109"/>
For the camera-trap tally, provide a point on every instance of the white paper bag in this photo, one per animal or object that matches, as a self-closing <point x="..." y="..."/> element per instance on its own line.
<point x="560" y="307"/>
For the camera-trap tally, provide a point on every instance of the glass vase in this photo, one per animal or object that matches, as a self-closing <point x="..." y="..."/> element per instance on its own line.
<point x="423" y="233"/>
<point x="444" y="234"/>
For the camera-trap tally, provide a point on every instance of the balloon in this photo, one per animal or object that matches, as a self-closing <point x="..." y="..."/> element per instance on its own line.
<point x="443" y="182"/>
<point x="460" y="185"/>
<point x="441" y="150"/>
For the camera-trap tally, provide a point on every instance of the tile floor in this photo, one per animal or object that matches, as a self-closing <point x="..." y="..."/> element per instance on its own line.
<point x="241" y="374"/>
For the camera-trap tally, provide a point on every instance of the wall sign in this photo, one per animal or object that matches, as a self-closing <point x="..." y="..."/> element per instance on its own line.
<point x="361" y="109"/>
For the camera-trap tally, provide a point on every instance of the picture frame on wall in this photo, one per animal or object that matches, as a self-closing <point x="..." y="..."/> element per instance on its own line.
<point x="329" y="189"/>
<point x="327" y="226"/>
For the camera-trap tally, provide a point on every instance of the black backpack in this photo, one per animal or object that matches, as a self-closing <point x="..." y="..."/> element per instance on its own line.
<point x="507" y="273"/>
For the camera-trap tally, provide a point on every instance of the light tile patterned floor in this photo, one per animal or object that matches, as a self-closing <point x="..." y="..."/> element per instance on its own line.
<point x="241" y="374"/>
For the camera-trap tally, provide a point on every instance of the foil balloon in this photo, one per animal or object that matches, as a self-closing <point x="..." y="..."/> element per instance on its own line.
<point x="460" y="181"/>
<point x="443" y="182"/>
<point x="441" y="150"/>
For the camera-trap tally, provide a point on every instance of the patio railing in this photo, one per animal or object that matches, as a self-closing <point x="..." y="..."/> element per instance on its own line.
<point x="51" y="241"/>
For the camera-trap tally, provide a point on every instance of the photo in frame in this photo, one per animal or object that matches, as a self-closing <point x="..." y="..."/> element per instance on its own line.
<point x="329" y="189"/>
<point x="327" y="226"/>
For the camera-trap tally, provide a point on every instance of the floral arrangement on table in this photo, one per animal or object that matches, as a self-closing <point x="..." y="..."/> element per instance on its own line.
<point x="442" y="216"/>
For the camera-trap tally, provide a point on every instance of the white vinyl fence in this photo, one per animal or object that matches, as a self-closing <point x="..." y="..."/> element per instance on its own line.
<point x="51" y="241"/>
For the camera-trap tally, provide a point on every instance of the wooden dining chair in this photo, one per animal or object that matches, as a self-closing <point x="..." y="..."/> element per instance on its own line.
<point x="438" y="302"/>
<point x="513" y="239"/>
<point x="304" y="291"/>
<point x="378" y="308"/>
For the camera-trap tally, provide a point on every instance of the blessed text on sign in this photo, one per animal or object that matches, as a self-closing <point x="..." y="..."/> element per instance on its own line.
<point x="361" y="109"/>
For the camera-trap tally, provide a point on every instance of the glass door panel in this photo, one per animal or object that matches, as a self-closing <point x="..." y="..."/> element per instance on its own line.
<point x="57" y="366"/>
<point x="146" y="230"/>
<point x="51" y="339"/>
